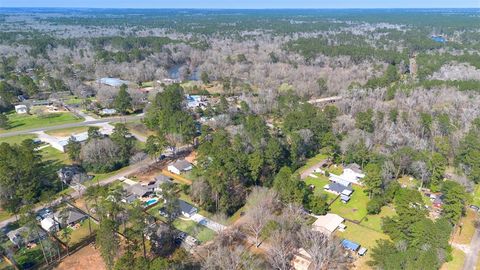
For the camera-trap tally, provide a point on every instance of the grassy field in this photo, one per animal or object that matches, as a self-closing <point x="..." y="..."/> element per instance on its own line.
<point x="465" y="235"/>
<point x="4" y="265"/>
<point x="319" y="183"/>
<point x="77" y="235"/>
<point x="374" y="222"/>
<point x="26" y="121"/>
<point x="355" y="209"/>
<point x="335" y="169"/>
<point x="476" y="196"/>
<point x="50" y="153"/>
<point x="314" y="160"/>
<point x="365" y="237"/>
<point x="17" y="139"/>
<point x="67" y="132"/>
<point x="202" y="233"/>
<point x="457" y="262"/>
<point x="26" y="258"/>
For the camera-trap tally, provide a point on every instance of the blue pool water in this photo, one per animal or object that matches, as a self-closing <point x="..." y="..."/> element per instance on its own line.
<point x="151" y="201"/>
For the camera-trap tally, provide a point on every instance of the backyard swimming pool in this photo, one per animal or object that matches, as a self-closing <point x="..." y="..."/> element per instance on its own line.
<point x="151" y="201"/>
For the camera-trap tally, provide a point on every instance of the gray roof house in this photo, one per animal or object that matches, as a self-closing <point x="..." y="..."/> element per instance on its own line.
<point x="187" y="209"/>
<point x="354" y="167"/>
<point x="24" y="235"/>
<point x="339" y="189"/>
<point x="72" y="217"/>
<point x="139" y="190"/>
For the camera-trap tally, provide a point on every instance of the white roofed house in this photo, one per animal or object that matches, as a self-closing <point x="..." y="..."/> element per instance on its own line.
<point x="328" y="223"/>
<point x="351" y="174"/>
<point x="49" y="224"/>
<point x="179" y="166"/>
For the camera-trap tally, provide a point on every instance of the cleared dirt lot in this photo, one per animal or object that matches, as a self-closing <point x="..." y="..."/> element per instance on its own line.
<point x="88" y="258"/>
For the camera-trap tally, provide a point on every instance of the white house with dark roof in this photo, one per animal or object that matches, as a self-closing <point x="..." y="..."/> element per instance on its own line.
<point x="179" y="166"/>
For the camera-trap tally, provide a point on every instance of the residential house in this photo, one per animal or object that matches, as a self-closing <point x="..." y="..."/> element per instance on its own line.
<point x="338" y="189"/>
<point x="179" y="166"/>
<point x="328" y="223"/>
<point x="49" y="224"/>
<point x="24" y="236"/>
<point x="187" y="209"/>
<point x="21" y="109"/>
<point x="72" y="175"/>
<point x="70" y="217"/>
<point x="302" y="260"/>
<point x="351" y="174"/>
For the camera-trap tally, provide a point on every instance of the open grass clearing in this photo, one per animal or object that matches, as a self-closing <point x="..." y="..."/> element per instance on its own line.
<point x="355" y="209"/>
<point x="464" y="234"/>
<point x="374" y="222"/>
<point x="457" y="262"/>
<point x="27" y="121"/>
<point x="319" y="183"/>
<point x="365" y="237"/>
<point x="17" y="139"/>
<point x="202" y="233"/>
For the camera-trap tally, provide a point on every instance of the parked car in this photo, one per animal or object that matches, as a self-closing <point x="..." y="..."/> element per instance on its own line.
<point x="474" y="207"/>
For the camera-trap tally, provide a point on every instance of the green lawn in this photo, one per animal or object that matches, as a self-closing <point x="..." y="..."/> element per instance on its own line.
<point x="26" y="121"/>
<point x="365" y="237"/>
<point x="457" y="262"/>
<point x="4" y="215"/>
<point x="79" y="234"/>
<point x="355" y="209"/>
<point x="319" y="183"/>
<point x="465" y="235"/>
<point x="476" y="196"/>
<point x="27" y="258"/>
<point x="312" y="161"/>
<point x="17" y="139"/>
<point x="374" y="222"/>
<point x="50" y="153"/>
<point x="335" y="169"/>
<point x="200" y="232"/>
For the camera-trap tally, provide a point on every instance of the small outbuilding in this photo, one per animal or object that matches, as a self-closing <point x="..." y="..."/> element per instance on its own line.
<point x="21" y="109"/>
<point x="347" y="244"/>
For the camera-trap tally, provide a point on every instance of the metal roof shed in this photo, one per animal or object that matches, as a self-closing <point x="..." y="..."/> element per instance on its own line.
<point x="350" y="245"/>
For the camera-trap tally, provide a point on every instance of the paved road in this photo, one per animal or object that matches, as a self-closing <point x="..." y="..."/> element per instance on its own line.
<point x="71" y="125"/>
<point x="472" y="255"/>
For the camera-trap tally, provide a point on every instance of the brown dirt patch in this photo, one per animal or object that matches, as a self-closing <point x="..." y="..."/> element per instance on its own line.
<point x="87" y="258"/>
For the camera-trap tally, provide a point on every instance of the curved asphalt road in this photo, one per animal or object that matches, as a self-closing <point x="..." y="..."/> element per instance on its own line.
<point x="70" y="125"/>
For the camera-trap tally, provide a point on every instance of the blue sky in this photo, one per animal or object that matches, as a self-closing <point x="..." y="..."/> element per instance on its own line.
<point x="243" y="3"/>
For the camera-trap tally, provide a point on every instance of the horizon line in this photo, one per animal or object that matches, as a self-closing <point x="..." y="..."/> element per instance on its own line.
<point x="244" y="8"/>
